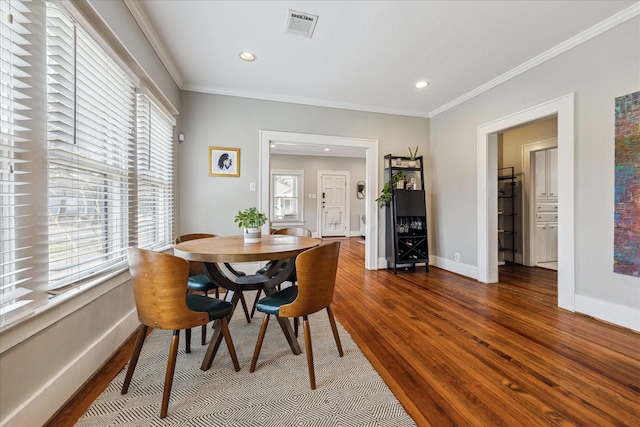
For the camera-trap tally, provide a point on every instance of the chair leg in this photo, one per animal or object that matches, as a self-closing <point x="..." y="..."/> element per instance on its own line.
<point x="224" y="325"/>
<point x="332" y="320"/>
<point x="245" y="308"/>
<point x="255" y="302"/>
<point x="309" y="350"/>
<point x="296" y="323"/>
<point x="256" y="352"/>
<point x="142" y="334"/>
<point x="187" y="340"/>
<point x="171" y="368"/>
<point x="203" y="335"/>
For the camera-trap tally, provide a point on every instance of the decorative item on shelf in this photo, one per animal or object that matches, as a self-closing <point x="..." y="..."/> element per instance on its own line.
<point x="360" y="187"/>
<point x="412" y="157"/>
<point x="252" y="221"/>
<point x="385" y="194"/>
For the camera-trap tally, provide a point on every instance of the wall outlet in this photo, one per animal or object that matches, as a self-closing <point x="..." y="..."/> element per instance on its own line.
<point x="456" y="257"/>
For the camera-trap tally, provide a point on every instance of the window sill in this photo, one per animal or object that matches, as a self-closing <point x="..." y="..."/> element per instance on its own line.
<point x="57" y="308"/>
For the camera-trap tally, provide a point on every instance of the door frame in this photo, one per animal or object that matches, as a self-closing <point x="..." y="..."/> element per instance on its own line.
<point x="347" y="217"/>
<point x="371" y="181"/>
<point x="487" y="201"/>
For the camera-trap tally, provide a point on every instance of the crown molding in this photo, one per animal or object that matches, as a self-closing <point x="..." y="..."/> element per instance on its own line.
<point x="592" y="32"/>
<point x="149" y="32"/>
<point x="305" y="101"/>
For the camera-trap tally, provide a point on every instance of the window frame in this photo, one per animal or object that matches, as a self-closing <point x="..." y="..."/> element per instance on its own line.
<point x="51" y="307"/>
<point x="299" y="174"/>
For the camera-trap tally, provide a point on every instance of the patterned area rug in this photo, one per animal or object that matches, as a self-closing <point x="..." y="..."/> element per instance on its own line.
<point x="349" y="391"/>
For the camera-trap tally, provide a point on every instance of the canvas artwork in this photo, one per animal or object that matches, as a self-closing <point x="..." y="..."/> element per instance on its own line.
<point x="627" y="185"/>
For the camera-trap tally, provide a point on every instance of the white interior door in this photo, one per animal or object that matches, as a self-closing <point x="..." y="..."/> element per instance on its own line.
<point x="334" y="209"/>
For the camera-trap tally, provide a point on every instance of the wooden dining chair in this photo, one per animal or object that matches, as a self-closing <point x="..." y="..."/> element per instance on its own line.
<point x="200" y="282"/>
<point x="160" y="289"/>
<point x="316" y="269"/>
<point x="289" y="231"/>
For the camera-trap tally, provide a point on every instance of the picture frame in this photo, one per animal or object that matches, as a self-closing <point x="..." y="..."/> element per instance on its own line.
<point x="224" y="161"/>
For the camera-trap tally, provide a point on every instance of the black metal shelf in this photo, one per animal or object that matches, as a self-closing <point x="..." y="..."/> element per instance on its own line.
<point x="506" y="236"/>
<point x="406" y="231"/>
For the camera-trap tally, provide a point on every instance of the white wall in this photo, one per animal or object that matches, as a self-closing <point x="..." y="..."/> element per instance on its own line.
<point x="60" y="348"/>
<point x="311" y="165"/>
<point x="597" y="71"/>
<point x="208" y="204"/>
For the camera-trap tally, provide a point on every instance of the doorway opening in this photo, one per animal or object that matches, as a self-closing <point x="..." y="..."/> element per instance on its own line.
<point x="487" y="202"/>
<point x="371" y="180"/>
<point x="528" y="194"/>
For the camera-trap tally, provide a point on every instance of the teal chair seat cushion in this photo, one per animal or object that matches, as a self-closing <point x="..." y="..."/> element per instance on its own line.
<point x="272" y="303"/>
<point x="200" y="282"/>
<point x="214" y="307"/>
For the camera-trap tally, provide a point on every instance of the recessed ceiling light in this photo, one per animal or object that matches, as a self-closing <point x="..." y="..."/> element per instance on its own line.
<point x="421" y="84"/>
<point x="326" y="149"/>
<point x="247" y="56"/>
<point x="273" y="145"/>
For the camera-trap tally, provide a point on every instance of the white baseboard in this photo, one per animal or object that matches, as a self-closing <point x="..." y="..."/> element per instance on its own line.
<point x="620" y="315"/>
<point x="454" y="266"/>
<point x="52" y="395"/>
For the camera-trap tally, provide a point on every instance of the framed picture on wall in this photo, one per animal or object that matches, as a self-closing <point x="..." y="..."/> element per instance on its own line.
<point x="224" y="161"/>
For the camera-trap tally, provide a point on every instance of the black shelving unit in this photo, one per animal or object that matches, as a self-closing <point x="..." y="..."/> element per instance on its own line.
<point x="506" y="212"/>
<point x="406" y="230"/>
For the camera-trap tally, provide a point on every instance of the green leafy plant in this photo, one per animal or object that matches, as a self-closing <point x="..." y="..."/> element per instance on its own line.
<point x="413" y="154"/>
<point x="385" y="194"/>
<point x="250" y="218"/>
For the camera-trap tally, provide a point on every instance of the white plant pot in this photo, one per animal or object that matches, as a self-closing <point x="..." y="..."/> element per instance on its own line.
<point x="252" y="235"/>
<point x="412" y="163"/>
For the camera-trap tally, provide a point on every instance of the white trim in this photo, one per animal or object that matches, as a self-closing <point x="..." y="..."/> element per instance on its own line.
<point x="372" y="167"/>
<point x="58" y="308"/>
<point x="454" y="266"/>
<point x="154" y="40"/>
<point x="564" y="108"/>
<point x="304" y="101"/>
<point x="52" y="394"/>
<point x="619" y="315"/>
<point x="574" y="41"/>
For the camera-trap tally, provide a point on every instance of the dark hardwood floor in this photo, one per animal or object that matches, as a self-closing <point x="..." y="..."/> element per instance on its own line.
<point x="458" y="352"/>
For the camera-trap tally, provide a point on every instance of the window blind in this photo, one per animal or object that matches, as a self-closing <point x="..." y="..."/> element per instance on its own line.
<point x="22" y="284"/>
<point x="154" y="176"/>
<point x="91" y="141"/>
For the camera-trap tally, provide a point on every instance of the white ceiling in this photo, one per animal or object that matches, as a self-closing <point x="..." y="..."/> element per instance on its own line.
<point x="364" y="55"/>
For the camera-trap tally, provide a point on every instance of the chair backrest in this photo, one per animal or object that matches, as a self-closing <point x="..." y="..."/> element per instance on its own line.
<point x="160" y="290"/>
<point x="316" y="270"/>
<point x="294" y="231"/>
<point x="194" y="267"/>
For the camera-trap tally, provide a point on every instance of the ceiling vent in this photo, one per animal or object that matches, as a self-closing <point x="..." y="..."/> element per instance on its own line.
<point x="301" y="23"/>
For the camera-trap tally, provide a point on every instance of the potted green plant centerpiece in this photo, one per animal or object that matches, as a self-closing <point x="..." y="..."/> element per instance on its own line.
<point x="252" y="221"/>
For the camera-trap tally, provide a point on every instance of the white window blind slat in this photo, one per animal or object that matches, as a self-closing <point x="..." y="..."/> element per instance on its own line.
<point x="90" y="145"/>
<point x="154" y="176"/>
<point x="22" y="287"/>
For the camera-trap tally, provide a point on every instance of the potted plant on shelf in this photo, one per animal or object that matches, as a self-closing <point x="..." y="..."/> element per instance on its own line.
<point x="252" y="221"/>
<point x="412" y="157"/>
<point x="385" y="194"/>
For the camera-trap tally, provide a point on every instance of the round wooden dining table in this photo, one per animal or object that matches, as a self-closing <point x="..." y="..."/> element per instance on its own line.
<point x="215" y="253"/>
